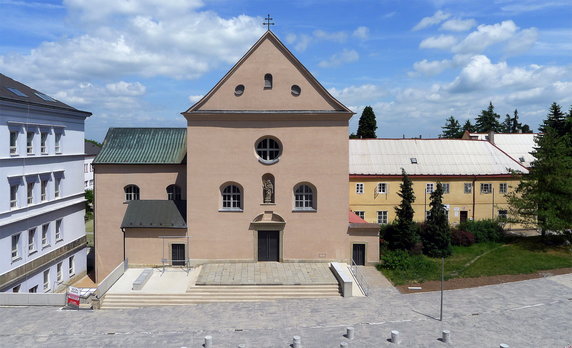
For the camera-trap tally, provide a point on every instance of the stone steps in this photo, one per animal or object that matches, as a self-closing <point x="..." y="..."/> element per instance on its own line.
<point x="210" y="294"/>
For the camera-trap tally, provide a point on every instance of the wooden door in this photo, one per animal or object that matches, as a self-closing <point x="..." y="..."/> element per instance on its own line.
<point x="268" y="245"/>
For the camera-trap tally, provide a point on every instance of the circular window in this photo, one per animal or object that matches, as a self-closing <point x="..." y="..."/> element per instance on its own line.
<point x="239" y="90"/>
<point x="296" y="90"/>
<point x="268" y="150"/>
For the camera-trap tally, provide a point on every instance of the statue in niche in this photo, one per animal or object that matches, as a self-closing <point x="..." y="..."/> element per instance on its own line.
<point x="268" y="190"/>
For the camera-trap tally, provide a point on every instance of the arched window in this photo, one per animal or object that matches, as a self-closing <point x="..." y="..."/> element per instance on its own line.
<point x="131" y="192"/>
<point x="304" y="197"/>
<point x="268" y="81"/>
<point x="173" y="193"/>
<point x="231" y="197"/>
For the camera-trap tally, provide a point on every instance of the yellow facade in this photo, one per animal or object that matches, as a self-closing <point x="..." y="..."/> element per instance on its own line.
<point x="480" y="203"/>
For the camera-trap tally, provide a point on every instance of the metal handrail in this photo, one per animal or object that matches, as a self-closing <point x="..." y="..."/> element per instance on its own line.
<point x="360" y="278"/>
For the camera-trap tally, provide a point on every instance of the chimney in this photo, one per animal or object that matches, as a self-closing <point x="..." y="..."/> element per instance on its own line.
<point x="492" y="137"/>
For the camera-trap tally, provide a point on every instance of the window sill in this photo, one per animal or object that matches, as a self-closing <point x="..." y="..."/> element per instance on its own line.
<point x="59" y="240"/>
<point x="307" y="210"/>
<point x="230" y="210"/>
<point x="32" y="252"/>
<point x="267" y="203"/>
<point x="45" y="246"/>
<point x="16" y="259"/>
<point x="268" y="162"/>
<point x="14" y="155"/>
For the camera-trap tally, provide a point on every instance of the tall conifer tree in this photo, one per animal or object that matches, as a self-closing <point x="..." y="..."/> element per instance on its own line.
<point x="488" y="120"/>
<point x="367" y="124"/>
<point x="436" y="236"/>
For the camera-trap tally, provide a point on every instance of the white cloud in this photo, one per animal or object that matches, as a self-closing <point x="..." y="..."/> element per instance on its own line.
<point x="357" y="94"/>
<point x="195" y="98"/>
<point x="437" y="18"/>
<point x="339" y="36"/>
<point x="430" y="68"/>
<point x="443" y="42"/>
<point x="458" y="24"/>
<point x="346" y="56"/>
<point x="485" y="36"/>
<point x="523" y="41"/>
<point x="126" y="88"/>
<point x="361" y="33"/>
<point x="303" y="43"/>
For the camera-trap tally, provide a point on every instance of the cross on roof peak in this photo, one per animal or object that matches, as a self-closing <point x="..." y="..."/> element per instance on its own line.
<point x="267" y="21"/>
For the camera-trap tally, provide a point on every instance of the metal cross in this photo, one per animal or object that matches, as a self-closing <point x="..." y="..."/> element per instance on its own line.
<point x="267" y="22"/>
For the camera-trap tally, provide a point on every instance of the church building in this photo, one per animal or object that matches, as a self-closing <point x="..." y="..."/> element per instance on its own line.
<point x="259" y="174"/>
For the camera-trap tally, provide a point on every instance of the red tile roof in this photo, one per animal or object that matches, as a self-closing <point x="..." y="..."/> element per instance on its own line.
<point x="354" y="219"/>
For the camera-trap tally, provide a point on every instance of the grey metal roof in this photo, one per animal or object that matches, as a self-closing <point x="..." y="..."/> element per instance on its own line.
<point x="155" y="214"/>
<point x="91" y="149"/>
<point x="433" y="157"/>
<point x="518" y="146"/>
<point x="30" y="95"/>
<point x="143" y="146"/>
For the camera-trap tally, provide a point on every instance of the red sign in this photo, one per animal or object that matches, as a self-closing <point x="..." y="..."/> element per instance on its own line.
<point x="72" y="297"/>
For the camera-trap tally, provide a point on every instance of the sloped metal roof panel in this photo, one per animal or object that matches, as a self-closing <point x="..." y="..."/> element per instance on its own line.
<point x="155" y="214"/>
<point x="143" y="146"/>
<point x="518" y="146"/>
<point x="433" y="157"/>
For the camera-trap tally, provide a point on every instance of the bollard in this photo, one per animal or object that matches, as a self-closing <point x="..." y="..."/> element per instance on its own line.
<point x="395" y="337"/>
<point x="208" y="341"/>
<point x="344" y="345"/>
<point x="504" y="345"/>
<point x="446" y="336"/>
<point x="296" y="342"/>
<point x="350" y="333"/>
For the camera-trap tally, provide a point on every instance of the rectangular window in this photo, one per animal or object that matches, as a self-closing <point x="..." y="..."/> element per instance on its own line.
<point x="486" y="188"/>
<point x="382" y="187"/>
<point x="14" y="196"/>
<point x="59" y="233"/>
<point x="47" y="280"/>
<point x="468" y="187"/>
<point x="33" y="289"/>
<point x="44" y="190"/>
<point x="382" y="217"/>
<point x="13" y="143"/>
<point x="30" y="193"/>
<point x="85" y="166"/>
<point x="361" y="214"/>
<point x="45" y="235"/>
<point x="58" y="143"/>
<point x="57" y="187"/>
<point x="31" y="241"/>
<point x="503" y="214"/>
<point x="44" y="143"/>
<point x="446" y="188"/>
<point x="15" y="246"/>
<point x="71" y="265"/>
<point x="30" y="143"/>
<point x="59" y="276"/>
<point x="359" y="189"/>
<point x="503" y="187"/>
<point x="16" y="288"/>
<point x="429" y="188"/>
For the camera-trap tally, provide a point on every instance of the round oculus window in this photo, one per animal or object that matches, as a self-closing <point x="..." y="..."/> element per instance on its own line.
<point x="268" y="150"/>
<point x="239" y="90"/>
<point x="296" y="90"/>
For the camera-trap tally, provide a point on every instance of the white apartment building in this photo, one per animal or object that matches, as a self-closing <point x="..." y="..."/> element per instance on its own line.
<point x="91" y="150"/>
<point x="42" y="230"/>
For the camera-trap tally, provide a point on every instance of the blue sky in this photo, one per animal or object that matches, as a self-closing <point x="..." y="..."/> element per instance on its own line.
<point x="139" y="63"/>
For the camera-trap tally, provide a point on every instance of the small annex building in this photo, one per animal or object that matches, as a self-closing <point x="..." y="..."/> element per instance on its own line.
<point x="261" y="170"/>
<point x="476" y="175"/>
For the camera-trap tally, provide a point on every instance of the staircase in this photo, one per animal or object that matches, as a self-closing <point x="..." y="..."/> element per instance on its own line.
<point x="219" y="293"/>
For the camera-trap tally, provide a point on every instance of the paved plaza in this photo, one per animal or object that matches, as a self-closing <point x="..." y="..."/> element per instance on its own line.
<point x="266" y="273"/>
<point x="532" y="313"/>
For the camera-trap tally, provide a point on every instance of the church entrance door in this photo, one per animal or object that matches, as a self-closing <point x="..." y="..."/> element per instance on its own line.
<point x="268" y="245"/>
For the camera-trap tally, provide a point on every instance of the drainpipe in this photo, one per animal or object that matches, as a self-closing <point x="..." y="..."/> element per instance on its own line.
<point x="474" y="192"/>
<point x="493" y="205"/>
<point x="123" y="230"/>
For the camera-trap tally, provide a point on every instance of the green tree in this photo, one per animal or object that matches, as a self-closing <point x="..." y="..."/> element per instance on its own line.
<point x="468" y="127"/>
<point x="452" y="129"/>
<point x="93" y="142"/>
<point x="488" y="120"/>
<point x="436" y="234"/>
<point x="405" y="231"/>
<point x="367" y="124"/>
<point x="542" y="197"/>
<point x="506" y="125"/>
<point x="89" y="201"/>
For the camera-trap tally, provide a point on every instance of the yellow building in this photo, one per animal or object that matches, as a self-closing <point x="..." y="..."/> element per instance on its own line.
<point x="476" y="176"/>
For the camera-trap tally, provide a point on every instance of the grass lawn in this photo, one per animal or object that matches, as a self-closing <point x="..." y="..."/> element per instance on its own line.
<point x="521" y="255"/>
<point x="89" y="232"/>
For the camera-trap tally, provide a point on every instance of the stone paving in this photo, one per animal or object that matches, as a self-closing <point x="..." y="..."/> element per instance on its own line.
<point x="531" y="313"/>
<point x="266" y="273"/>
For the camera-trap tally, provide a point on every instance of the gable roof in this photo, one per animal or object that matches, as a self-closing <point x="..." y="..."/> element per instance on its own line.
<point x="269" y="35"/>
<point x="432" y="157"/>
<point x="143" y="146"/>
<point x="90" y="149"/>
<point x="155" y="214"/>
<point x="9" y="89"/>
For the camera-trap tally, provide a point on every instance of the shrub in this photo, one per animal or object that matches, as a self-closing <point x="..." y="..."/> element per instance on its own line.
<point x="395" y="260"/>
<point x="462" y="238"/>
<point x="484" y="230"/>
